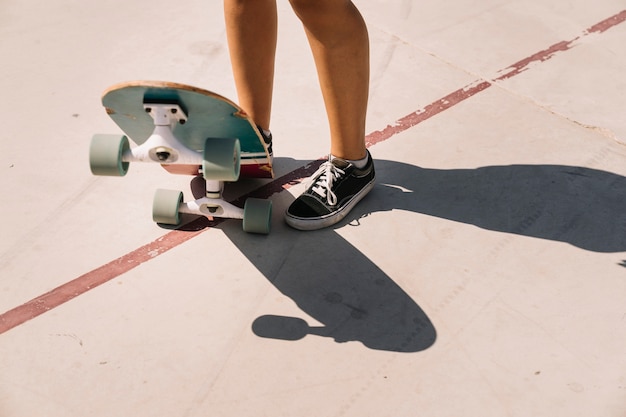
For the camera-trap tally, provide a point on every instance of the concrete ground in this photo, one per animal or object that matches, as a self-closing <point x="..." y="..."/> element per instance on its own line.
<point x="483" y="276"/>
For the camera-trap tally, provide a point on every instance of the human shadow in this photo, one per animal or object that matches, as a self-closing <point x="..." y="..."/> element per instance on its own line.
<point x="354" y="300"/>
<point x="331" y="281"/>
<point x="580" y="206"/>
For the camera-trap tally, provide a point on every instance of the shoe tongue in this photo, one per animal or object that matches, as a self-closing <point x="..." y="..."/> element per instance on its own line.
<point x="338" y="162"/>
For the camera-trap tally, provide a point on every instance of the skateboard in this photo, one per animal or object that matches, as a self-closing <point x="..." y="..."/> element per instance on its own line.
<point x="188" y="131"/>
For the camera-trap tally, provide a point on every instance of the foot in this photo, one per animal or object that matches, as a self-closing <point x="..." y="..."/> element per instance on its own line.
<point x="267" y="138"/>
<point x="333" y="191"/>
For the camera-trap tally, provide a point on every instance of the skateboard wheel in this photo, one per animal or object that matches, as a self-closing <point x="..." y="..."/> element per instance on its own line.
<point x="165" y="207"/>
<point x="105" y="155"/>
<point x="257" y="216"/>
<point x="221" y="159"/>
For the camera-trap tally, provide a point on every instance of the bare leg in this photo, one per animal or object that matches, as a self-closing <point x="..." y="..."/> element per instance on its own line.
<point x="339" y="41"/>
<point x="251" y="28"/>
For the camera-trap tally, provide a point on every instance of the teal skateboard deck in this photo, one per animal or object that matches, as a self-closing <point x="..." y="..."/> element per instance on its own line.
<point x="208" y="115"/>
<point x="187" y="130"/>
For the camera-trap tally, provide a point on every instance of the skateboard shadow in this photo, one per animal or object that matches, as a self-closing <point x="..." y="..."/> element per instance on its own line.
<point x="354" y="300"/>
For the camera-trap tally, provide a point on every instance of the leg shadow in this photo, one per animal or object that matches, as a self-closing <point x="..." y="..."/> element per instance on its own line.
<point x="332" y="282"/>
<point x="580" y="206"/>
<point x="338" y="286"/>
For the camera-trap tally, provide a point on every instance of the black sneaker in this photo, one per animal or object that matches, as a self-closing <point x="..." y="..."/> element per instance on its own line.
<point x="333" y="191"/>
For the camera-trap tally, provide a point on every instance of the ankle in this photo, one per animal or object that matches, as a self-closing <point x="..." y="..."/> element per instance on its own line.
<point x="359" y="163"/>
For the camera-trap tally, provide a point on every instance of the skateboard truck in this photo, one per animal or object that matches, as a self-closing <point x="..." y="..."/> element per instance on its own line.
<point x="219" y="162"/>
<point x="212" y="204"/>
<point x="168" y="205"/>
<point x="163" y="146"/>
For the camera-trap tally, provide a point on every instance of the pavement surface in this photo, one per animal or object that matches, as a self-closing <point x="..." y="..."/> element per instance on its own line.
<point x="485" y="275"/>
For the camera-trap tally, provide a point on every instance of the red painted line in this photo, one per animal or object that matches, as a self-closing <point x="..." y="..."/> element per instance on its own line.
<point x="608" y="23"/>
<point x="464" y="93"/>
<point x="426" y="113"/>
<point x="563" y="46"/>
<point x="540" y="56"/>
<point x="119" y="266"/>
<point x="92" y="279"/>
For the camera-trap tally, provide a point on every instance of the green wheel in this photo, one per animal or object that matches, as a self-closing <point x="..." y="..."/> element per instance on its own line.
<point x="105" y="155"/>
<point x="221" y="159"/>
<point x="165" y="207"/>
<point x="257" y="216"/>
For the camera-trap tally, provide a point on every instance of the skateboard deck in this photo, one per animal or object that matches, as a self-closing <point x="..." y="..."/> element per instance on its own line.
<point x="187" y="130"/>
<point x="208" y="115"/>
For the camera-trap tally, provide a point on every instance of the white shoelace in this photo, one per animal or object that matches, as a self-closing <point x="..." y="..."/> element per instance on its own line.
<point x="322" y="186"/>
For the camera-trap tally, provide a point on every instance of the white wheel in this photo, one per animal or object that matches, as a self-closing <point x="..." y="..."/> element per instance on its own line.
<point x="165" y="207"/>
<point x="221" y="159"/>
<point x="105" y="155"/>
<point x="257" y="216"/>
